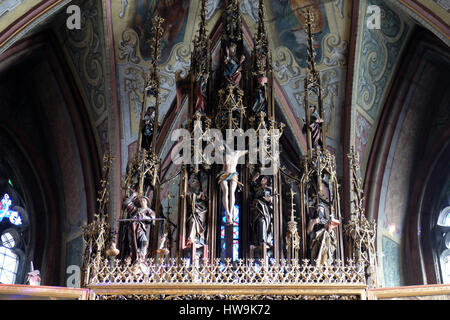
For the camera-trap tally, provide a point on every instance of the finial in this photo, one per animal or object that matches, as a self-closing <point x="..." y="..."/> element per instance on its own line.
<point x="292" y="194"/>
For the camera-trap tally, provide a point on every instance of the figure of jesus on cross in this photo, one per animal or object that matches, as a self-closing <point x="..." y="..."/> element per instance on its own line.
<point x="228" y="179"/>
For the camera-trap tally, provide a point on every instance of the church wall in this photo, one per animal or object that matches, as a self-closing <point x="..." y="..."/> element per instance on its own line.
<point x="89" y="54"/>
<point x="399" y="176"/>
<point x="44" y="114"/>
<point x="400" y="161"/>
<point x="289" y="57"/>
<point x="69" y="157"/>
<point x="11" y="10"/>
<point x="30" y="136"/>
<point x="86" y="53"/>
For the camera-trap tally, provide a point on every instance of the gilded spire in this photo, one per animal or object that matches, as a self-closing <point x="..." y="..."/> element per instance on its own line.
<point x="261" y="36"/>
<point x="232" y="21"/>
<point x="202" y="30"/>
<point x="292" y="236"/>
<point x="200" y="53"/>
<point x="309" y="22"/>
<point x="262" y="53"/>
<point x="152" y="85"/>
<point x="315" y="116"/>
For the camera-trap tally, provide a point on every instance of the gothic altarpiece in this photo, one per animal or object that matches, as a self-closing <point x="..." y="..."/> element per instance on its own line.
<point x="232" y="228"/>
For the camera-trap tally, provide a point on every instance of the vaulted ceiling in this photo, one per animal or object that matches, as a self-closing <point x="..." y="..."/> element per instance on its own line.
<point x="357" y="64"/>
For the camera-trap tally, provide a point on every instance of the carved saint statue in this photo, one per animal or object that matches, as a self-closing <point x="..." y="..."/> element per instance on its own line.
<point x="228" y="179"/>
<point x="261" y="95"/>
<point x="262" y="210"/>
<point x="201" y="88"/>
<point x="138" y="233"/>
<point x="148" y="128"/>
<point x="233" y="65"/>
<point x="182" y="85"/>
<point x="322" y="235"/>
<point x="197" y="212"/>
<point x="316" y="127"/>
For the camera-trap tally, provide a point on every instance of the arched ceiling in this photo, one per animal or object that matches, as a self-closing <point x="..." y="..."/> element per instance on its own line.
<point x="286" y="36"/>
<point x="432" y="14"/>
<point x="21" y="18"/>
<point x="377" y="56"/>
<point x="12" y="9"/>
<point x="108" y="55"/>
<point x="111" y="51"/>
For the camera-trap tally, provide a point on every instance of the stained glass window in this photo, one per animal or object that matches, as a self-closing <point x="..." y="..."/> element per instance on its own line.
<point x="445" y="265"/>
<point x="7" y="213"/>
<point x="235" y="233"/>
<point x="447" y="219"/>
<point x="443" y="248"/>
<point x="9" y="263"/>
<point x="9" y="241"/>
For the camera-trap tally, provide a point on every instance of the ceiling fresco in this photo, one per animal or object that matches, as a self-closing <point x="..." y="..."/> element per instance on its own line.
<point x="11" y="9"/>
<point x="87" y="52"/>
<point x="330" y="41"/>
<point x="432" y="14"/>
<point x="174" y="25"/>
<point x="377" y="54"/>
<point x="286" y="35"/>
<point x="131" y="22"/>
<point x="377" y="57"/>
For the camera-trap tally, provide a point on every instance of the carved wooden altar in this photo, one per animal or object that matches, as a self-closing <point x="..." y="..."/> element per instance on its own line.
<point x="283" y="251"/>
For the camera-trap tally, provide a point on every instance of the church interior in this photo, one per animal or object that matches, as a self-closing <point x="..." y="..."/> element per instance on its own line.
<point x="116" y="181"/>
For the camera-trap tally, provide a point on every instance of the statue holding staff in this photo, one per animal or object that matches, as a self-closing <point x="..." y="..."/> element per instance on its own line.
<point x="140" y="219"/>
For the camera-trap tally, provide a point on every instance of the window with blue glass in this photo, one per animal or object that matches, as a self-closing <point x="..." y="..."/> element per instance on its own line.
<point x="10" y="241"/>
<point x="443" y="245"/>
<point x="235" y="239"/>
<point x="7" y="213"/>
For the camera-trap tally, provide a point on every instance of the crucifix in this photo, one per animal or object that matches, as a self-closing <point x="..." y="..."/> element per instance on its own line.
<point x="228" y="180"/>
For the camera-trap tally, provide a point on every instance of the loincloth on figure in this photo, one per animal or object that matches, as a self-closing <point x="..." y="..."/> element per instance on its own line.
<point x="228" y="176"/>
